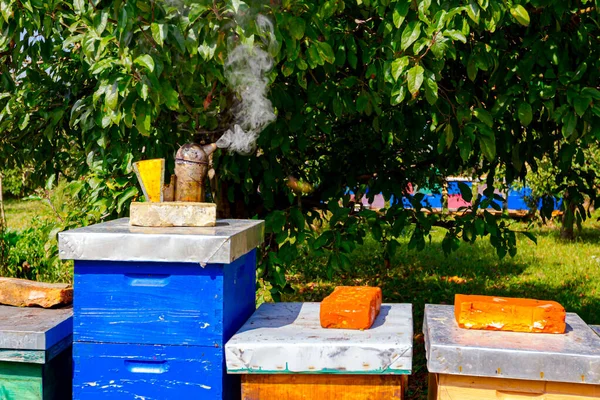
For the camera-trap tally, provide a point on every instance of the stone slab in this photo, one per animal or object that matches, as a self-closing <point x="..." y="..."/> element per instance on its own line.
<point x="25" y="293"/>
<point x="173" y="214"/>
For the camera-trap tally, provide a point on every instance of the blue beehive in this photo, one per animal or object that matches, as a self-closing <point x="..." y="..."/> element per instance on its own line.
<point x="153" y="308"/>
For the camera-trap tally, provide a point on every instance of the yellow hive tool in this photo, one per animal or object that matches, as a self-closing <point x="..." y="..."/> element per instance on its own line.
<point x="151" y="175"/>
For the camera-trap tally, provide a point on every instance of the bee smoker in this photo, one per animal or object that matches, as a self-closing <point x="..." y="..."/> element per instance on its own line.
<point x="191" y="168"/>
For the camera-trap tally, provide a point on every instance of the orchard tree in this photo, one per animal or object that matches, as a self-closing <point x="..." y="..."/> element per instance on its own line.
<point x="369" y="94"/>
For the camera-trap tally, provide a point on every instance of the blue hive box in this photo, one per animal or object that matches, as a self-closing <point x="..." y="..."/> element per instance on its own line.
<point x="154" y="307"/>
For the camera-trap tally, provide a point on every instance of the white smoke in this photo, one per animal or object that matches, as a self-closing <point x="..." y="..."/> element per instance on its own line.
<point x="246" y="70"/>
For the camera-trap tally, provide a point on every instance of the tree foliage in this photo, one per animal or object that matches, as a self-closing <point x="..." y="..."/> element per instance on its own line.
<point x="370" y="94"/>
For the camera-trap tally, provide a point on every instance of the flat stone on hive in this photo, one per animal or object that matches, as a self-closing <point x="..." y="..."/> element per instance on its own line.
<point x="351" y="307"/>
<point x="25" y="293"/>
<point x="509" y="314"/>
<point x="168" y="214"/>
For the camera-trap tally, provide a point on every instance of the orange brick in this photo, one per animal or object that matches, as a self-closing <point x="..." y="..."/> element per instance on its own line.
<point x="509" y="314"/>
<point x="351" y="307"/>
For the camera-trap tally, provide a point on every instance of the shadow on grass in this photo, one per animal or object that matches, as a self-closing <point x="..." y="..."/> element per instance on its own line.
<point x="587" y="235"/>
<point x="431" y="277"/>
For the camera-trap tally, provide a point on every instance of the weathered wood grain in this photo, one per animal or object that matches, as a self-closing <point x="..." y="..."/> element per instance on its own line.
<point x="323" y="387"/>
<point x="20" y="381"/>
<point x="457" y="387"/>
<point x="134" y="371"/>
<point x="162" y="303"/>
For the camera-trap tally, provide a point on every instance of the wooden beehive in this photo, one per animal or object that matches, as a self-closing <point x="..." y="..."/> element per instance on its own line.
<point x="154" y="307"/>
<point x="283" y="353"/>
<point x="492" y="365"/>
<point x="35" y="353"/>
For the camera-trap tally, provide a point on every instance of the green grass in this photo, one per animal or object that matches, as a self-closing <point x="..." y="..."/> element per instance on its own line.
<point x="551" y="270"/>
<point x="19" y="213"/>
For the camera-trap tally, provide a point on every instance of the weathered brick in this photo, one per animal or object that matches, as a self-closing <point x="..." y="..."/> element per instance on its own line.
<point x="509" y="314"/>
<point x="351" y="307"/>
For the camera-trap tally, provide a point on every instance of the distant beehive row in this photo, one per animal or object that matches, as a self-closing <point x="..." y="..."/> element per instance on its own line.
<point x="516" y="201"/>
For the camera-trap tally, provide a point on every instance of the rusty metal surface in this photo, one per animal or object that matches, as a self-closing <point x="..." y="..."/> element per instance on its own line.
<point x="570" y="357"/>
<point x="287" y="338"/>
<point x="118" y="241"/>
<point x="34" y="328"/>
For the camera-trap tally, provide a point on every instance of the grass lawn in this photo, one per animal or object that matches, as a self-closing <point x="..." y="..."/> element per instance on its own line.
<point x="19" y="213"/>
<point x="568" y="272"/>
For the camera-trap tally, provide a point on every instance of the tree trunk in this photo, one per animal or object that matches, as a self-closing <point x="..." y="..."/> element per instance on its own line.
<point x="567" y="228"/>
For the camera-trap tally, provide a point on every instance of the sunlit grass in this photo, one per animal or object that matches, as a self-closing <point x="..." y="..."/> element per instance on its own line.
<point x="19" y="213"/>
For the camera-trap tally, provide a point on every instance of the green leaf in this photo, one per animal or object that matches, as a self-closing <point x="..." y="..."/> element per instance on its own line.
<point x="100" y="21"/>
<point x="400" y="12"/>
<point x="591" y="92"/>
<point x="473" y="11"/>
<point x="530" y="236"/>
<point x="399" y="66"/>
<point x="581" y="104"/>
<point x="145" y="61"/>
<point x="111" y="97"/>
<point x="298" y="218"/>
<point x="484" y="116"/>
<point x="415" y="79"/>
<point x="525" y="113"/>
<point x="129" y="193"/>
<point x="398" y="94"/>
<point x="487" y="142"/>
<point x="449" y="135"/>
<point x="79" y="6"/>
<point x="352" y="52"/>
<point x="313" y="57"/>
<point x="465" y="192"/>
<point x="472" y="69"/>
<point x="455" y="35"/>
<point x="326" y="52"/>
<point x="362" y="102"/>
<point x="171" y="96"/>
<point x="297" y="26"/>
<point x="410" y="34"/>
<point x="465" y="147"/>
<point x="569" y="124"/>
<point x="431" y="90"/>
<point x="159" y="33"/>
<point x="520" y="14"/>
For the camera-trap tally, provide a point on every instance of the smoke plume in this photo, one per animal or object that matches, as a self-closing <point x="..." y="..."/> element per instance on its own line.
<point x="246" y="70"/>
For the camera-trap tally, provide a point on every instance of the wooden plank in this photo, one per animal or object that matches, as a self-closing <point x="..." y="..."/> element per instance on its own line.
<point x="20" y="381"/>
<point x="322" y="387"/>
<point x="132" y="371"/>
<point x="457" y="387"/>
<point x="162" y="303"/>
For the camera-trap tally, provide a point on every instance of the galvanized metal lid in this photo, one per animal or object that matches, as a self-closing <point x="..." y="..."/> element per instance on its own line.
<point x="596" y="328"/>
<point x="570" y="357"/>
<point x="117" y="241"/>
<point x="34" y="328"/>
<point x="287" y="338"/>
